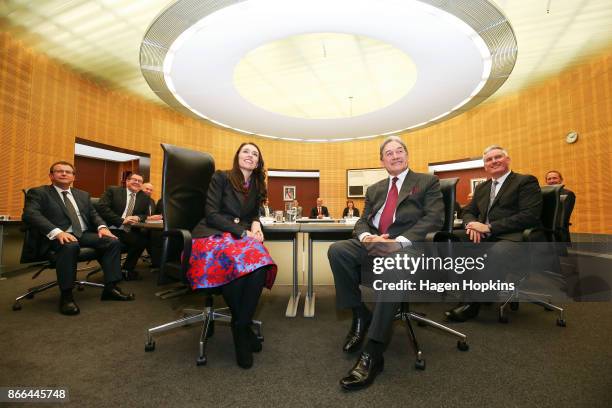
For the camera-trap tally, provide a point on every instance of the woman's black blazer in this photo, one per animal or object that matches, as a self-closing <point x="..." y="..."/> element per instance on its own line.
<point x="227" y="210"/>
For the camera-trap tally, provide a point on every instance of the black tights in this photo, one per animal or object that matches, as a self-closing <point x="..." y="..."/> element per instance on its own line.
<point x="242" y="296"/>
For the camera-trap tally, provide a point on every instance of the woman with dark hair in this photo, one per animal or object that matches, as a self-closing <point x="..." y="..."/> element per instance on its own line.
<point x="350" y="210"/>
<point x="227" y="248"/>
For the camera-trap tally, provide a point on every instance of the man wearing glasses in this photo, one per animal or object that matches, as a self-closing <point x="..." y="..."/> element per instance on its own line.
<point x="62" y="220"/>
<point x="122" y="207"/>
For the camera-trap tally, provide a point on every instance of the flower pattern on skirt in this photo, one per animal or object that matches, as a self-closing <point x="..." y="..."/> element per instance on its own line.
<point x="219" y="259"/>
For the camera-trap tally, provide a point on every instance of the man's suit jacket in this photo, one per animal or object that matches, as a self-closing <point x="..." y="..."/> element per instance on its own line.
<point x="262" y="211"/>
<point x="517" y="206"/>
<point x="227" y="210"/>
<point x="568" y="207"/>
<point x="419" y="210"/>
<point x="151" y="210"/>
<point x="112" y="204"/>
<point x="314" y="213"/>
<point x="44" y="211"/>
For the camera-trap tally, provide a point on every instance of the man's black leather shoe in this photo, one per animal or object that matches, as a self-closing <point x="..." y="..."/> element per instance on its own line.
<point x="68" y="306"/>
<point x="463" y="312"/>
<point x="363" y="373"/>
<point x="355" y="336"/>
<point x="116" y="294"/>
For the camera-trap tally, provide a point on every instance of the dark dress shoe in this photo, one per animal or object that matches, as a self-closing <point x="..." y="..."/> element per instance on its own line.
<point x="68" y="307"/>
<point x="363" y="373"/>
<point x="242" y="346"/>
<point x="116" y="294"/>
<point x="355" y="336"/>
<point x="463" y="312"/>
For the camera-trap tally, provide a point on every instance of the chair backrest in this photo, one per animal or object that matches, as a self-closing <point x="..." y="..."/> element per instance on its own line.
<point x="551" y="209"/>
<point x="448" y="187"/>
<point x="186" y="176"/>
<point x="29" y="251"/>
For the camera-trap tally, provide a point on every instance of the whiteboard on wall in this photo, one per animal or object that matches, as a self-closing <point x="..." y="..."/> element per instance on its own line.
<point x="358" y="180"/>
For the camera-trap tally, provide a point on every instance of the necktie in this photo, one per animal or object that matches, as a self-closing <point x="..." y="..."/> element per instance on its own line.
<point x="386" y="219"/>
<point x="77" y="231"/>
<point x="319" y="210"/>
<point x="491" y="197"/>
<point x="130" y="209"/>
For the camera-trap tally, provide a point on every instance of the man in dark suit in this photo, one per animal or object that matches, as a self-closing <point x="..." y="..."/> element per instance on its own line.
<point x="501" y="209"/>
<point x="265" y="210"/>
<point x="399" y="210"/>
<point x="154" y="237"/>
<point x="121" y="208"/>
<point x="554" y="177"/>
<point x="320" y="210"/>
<point x="62" y="220"/>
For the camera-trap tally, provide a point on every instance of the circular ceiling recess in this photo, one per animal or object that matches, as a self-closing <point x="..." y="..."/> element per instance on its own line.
<point x="324" y="76"/>
<point x="327" y="70"/>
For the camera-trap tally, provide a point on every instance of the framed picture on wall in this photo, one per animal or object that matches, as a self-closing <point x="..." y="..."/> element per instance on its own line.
<point x="288" y="193"/>
<point x="475" y="182"/>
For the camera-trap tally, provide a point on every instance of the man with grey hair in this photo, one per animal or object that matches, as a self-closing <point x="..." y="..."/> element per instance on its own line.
<point x="399" y="210"/>
<point x="500" y="210"/>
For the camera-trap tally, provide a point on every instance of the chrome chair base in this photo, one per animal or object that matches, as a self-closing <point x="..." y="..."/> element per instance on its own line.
<point x="206" y="316"/>
<point x="407" y="316"/>
<point x="541" y="299"/>
<point x="80" y="284"/>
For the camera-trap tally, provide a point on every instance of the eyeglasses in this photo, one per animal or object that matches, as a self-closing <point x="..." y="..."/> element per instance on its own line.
<point x="63" y="171"/>
<point x="136" y="181"/>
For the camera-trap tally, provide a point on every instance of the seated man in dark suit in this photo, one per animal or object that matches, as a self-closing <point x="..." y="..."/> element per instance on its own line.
<point x="554" y="177"/>
<point x="154" y="210"/>
<point x="501" y="209"/>
<point x="265" y="210"/>
<point x="399" y="211"/>
<point x="121" y="208"/>
<point x="320" y="210"/>
<point x="63" y="220"/>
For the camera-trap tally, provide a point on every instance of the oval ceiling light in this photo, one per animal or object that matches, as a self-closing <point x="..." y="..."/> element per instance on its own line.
<point x="327" y="70"/>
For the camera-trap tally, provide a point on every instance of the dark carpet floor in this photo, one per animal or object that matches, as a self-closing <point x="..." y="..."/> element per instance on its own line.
<point x="99" y="356"/>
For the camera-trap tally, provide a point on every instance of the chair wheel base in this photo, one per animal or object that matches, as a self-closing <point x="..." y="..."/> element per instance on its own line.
<point x="211" y="330"/>
<point x="463" y="345"/>
<point x="200" y="361"/>
<point x="150" y="346"/>
<point x="16" y="306"/>
<point x="561" y="322"/>
<point x="420" y="364"/>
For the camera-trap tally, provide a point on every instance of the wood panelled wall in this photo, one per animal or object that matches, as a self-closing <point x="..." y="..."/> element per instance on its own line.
<point x="44" y="106"/>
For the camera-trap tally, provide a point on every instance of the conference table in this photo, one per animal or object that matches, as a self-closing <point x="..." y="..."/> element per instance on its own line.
<point x="314" y="230"/>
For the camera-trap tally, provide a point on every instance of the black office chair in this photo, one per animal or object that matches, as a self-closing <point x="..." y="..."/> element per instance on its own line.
<point x="548" y="232"/>
<point x="186" y="176"/>
<point x="47" y="261"/>
<point x="445" y="235"/>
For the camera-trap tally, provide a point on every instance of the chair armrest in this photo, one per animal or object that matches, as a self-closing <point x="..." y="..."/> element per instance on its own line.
<point x="529" y="233"/>
<point x="441" y="236"/>
<point x="185" y="237"/>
